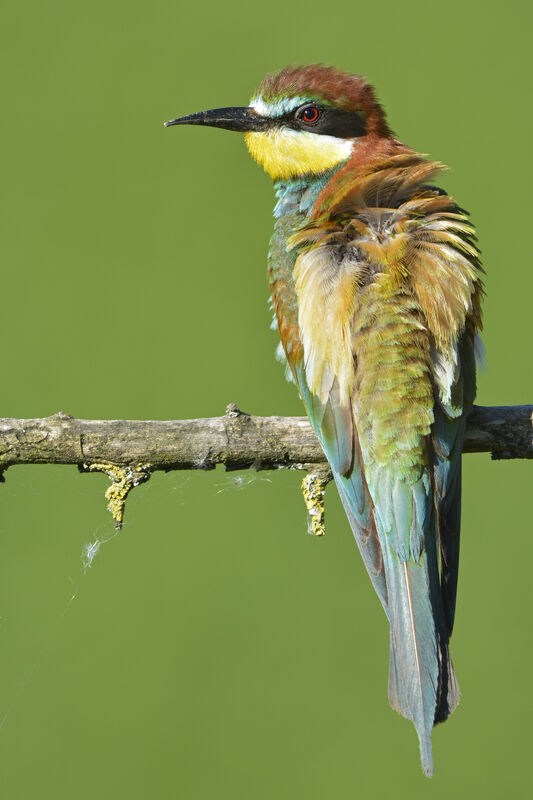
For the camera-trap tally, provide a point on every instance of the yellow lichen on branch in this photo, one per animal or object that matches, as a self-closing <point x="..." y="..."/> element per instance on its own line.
<point x="123" y="479"/>
<point x="313" y="489"/>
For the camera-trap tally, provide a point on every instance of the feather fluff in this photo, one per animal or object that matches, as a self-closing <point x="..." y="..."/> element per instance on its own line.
<point x="385" y="302"/>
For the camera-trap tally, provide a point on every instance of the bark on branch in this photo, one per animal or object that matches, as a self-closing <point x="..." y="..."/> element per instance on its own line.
<point x="238" y="440"/>
<point x="128" y="451"/>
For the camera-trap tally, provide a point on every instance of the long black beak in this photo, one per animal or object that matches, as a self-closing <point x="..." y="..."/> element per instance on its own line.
<point x="232" y="119"/>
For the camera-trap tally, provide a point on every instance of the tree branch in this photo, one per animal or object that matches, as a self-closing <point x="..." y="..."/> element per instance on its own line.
<point x="128" y="451"/>
<point x="238" y="440"/>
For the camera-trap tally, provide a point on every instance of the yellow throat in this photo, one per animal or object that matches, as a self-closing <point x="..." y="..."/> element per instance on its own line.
<point x="286" y="153"/>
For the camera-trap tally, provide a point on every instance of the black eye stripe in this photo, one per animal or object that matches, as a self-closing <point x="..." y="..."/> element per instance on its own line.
<point x="328" y="122"/>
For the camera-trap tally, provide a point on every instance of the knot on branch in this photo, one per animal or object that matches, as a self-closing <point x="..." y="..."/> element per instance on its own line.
<point x="233" y="411"/>
<point x="123" y="479"/>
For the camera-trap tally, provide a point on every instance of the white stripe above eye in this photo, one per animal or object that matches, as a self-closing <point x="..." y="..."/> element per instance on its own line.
<point x="279" y="108"/>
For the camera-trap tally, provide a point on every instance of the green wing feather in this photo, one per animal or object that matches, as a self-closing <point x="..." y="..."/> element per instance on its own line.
<point x="407" y="277"/>
<point x="337" y="434"/>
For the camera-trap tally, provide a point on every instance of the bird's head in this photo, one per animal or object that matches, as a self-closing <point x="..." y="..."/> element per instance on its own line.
<point x="302" y="120"/>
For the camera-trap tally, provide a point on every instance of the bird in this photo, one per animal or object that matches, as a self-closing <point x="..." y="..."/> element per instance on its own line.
<point x="376" y="285"/>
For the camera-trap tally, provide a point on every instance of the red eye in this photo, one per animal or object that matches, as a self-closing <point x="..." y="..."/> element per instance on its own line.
<point x="309" y="114"/>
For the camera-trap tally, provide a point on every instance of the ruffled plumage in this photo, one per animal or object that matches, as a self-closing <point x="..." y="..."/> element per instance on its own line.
<point x="378" y="308"/>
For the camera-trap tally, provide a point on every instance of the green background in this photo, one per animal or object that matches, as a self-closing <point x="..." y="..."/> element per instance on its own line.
<point x="214" y="649"/>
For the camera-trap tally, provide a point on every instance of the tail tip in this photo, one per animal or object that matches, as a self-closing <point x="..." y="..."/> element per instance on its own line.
<point x="427" y="767"/>
<point x="426" y="758"/>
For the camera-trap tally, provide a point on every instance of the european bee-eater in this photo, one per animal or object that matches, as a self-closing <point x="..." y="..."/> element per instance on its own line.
<point x="376" y="285"/>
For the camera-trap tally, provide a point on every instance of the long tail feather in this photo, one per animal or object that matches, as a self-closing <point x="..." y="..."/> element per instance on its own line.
<point x="422" y="684"/>
<point x="398" y="542"/>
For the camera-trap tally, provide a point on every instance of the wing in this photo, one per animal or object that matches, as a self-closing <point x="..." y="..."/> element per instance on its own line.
<point x="385" y="285"/>
<point x="337" y="433"/>
<point x="455" y="383"/>
<point x="389" y="510"/>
